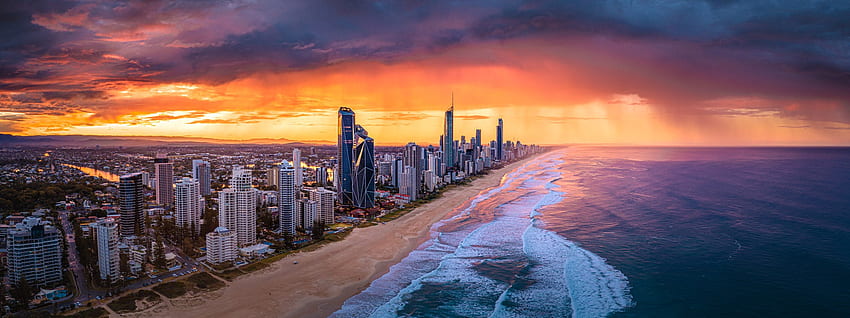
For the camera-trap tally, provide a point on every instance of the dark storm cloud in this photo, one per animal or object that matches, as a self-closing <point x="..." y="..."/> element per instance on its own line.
<point x="47" y="45"/>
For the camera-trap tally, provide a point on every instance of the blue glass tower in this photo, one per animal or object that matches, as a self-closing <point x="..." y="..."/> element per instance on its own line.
<point x="364" y="176"/>
<point x="499" y="129"/>
<point x="345" y="187"/>
<point x="448" y="136"/>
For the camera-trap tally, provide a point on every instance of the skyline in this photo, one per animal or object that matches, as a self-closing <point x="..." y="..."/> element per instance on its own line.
<point x="711" y="73"/>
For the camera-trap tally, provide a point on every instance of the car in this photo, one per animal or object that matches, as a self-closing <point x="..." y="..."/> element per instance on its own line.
<point x="98" y="298"/>
<point x="295" y="262"/>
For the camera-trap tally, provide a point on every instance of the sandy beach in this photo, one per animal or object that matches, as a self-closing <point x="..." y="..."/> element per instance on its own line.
<point x="323" y="279"/>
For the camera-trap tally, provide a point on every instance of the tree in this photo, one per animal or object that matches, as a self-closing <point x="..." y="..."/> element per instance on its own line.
<point x="22" y="292"/>
<point x="124" y="263"/>
<point x="318" y="232"/>
<point x="159" y="254"/>
<point x="288" y="240"/>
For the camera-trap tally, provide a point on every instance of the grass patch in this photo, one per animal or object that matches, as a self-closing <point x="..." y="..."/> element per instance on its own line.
<point x="230" y="274"/>
<point x="90" y="313"/>
<point x="253" y="267"/>
<point x="204" y="281"/>
<point x="127" y="303"/>
<point x="171" y="289"/>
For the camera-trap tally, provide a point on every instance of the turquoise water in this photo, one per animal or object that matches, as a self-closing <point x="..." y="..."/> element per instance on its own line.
<point x="638" y="232"/>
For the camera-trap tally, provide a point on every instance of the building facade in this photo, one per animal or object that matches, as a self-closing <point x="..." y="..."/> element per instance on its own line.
<point x="287" y="192"/>
<point x="108" y="258"/>
<point x="324" y="199"/>
<point x="345" y="164"/>
<point x="201" y="173"/>
<point x="164" y="171"/>
<point x="238" y="207"/>
<point x="34" y="253"/>
<point x="222" y="246"/>
<point x="131" y="194"/>
<point x="188" y="204"/>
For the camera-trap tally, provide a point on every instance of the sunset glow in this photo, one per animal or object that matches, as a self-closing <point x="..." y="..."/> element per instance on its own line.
<point x="263" y="70"/>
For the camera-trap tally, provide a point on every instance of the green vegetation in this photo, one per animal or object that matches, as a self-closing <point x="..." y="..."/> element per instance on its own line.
<point x="230" y="275"/>
<point x="171" y="289"/>
<point x="127" y="303"/>
<point x="91" y="313"/>
<point x="203" y="281"/>
<point x="28" y="196"/>
<point x="253" y="267"/>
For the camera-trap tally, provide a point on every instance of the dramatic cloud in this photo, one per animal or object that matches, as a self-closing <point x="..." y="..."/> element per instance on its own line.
<point x="697" y="71"/>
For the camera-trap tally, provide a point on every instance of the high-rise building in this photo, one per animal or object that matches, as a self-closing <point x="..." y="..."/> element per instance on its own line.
<point x="321" y="176"/>
<point x="478" y="138"/>
<point x="106" y="233"/>
<point x="164" y="171"/>
<point x="308" y="213"/>
<point x="34" y="253"/>
<point x="286" y="202"/>
<point x="238" y="207"/>
<point x="345" y="143"/>
<point x="296" y="163"/>
<point x="201" y="173"/>
<point x="222" y="245"/>
<point x="499" y="130"/>
<point x="325" y="201"/>
<point x="364" y="175"/>
<point x="414" y="158"/>
<point x="189" y="204"/>
<point x="408" y="183"/>
<point x="273" y="176"/>
<point x="131" y="195"/>
<point x="398" y="169"/>
<point x="448" y="136"/>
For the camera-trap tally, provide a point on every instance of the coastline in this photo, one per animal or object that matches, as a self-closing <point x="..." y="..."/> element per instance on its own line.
<point x="324" y="278"/>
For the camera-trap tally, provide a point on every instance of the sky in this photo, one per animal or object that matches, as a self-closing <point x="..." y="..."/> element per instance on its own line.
<point x="712" y="72"/>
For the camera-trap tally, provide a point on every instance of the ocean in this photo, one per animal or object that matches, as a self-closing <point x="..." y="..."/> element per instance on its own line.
<point x="637" y="232"/>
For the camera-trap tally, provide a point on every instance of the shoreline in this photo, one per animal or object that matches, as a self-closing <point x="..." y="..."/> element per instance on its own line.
<point x="324" y="278"/>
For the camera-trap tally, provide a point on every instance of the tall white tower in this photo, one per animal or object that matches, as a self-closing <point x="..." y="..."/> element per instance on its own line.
<point x="189" y="204"/>
<point x="107" y="249"/>
<point x="238" y="207"/>
<point x="296" y="163"/>
<point x="287" y="198"/>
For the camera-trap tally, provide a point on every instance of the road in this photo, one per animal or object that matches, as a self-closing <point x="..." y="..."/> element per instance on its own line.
<point x="86" y="293"/>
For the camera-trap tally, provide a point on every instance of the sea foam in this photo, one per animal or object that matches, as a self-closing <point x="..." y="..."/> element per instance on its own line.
<point x="557" y="277"/>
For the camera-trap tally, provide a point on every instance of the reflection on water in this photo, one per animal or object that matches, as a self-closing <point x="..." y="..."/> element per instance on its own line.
<point x="95" y="173"/>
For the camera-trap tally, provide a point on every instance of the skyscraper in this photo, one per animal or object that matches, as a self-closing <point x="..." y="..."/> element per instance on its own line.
<point x="499" y="142"/>
<point x="201" y="173"/>
<point x="354" y="189"/>
<point x="478" y="138"/>
<point x="34" y="253"/>
<point x="273" y="176"/>
<point x="448" y="136"/>
<point x="364" y="175"/>
<point x="398" y="169"/>
<point x="321" y="176"/>
<point x="164" y="171"/>
<point x="287" y="198"/>
<point x="238" y="207"/>
<point x="131" y="194"/>
<point x="408" y="184"/>
<point x="345" y="143"/>
<point x="414" y="158"/>
<point x="107" y="249"/>
<point x="189" y="204"/>
<point x="296" y="163"/>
